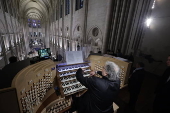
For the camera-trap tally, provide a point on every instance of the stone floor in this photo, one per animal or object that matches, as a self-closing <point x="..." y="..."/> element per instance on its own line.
<point x="145" y="99"/>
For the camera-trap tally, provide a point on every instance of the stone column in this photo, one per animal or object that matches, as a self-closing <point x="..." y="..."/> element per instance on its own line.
<point x="71" y="27"/>
<point x="7" y="28"/>
<point x="63" y="34"/>
<point x="3" y="49"/>
<point x="107" y="28"/>
<point x="58" y="6"/>
<point x="85" y="22"/>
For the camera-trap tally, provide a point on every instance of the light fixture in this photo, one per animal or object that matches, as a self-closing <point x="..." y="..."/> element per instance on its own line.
<point x="148" y="22"/>
<point x="153" y="6"/>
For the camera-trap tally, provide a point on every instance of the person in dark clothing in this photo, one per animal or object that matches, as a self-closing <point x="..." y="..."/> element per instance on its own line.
<point x="118" y="53"/>
<point x="101" y="92"/>
<point x="135" y="83"/>
<point x="130" y="57"/>
<point x="59" y="57"/>
<point x="13" y="59"/>
<point x="78" y="47"/>
<point x="99" y="52"/>
<point x="162" y="99"/>
<point x="108" y="52"/>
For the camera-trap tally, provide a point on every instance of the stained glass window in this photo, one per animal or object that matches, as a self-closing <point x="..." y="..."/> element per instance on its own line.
<point x="61" y="11"/>
<point x="79" y="4"/>
<point x="67" y="7"/>
<point x="34" y="23"/>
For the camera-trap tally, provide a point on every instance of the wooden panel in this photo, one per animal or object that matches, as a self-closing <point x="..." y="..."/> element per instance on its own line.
<point x="9" y="101"/>
<point x="59" y="106"/>
<point x="53" y="97"/>
<point x="34" y="84"/>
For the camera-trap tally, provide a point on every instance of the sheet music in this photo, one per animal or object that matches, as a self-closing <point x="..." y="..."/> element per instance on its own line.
<point x="73" y="57"/>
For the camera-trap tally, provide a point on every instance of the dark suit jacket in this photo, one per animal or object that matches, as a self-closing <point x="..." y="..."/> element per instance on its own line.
<point x="162" y="99"/>
<point x="136" y="80"/>
<point x="163" y="81"/>
<point x="10" y="70"/>
<point x="100" y="95"/>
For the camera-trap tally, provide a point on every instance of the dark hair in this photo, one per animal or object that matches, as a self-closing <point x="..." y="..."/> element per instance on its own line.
<point x="141" y="64"/>
<point x="91" y="51"/>
<point x="118" y="50"/>
<point x="108" y="50"/>
<point x="12" y="59"/>
<point x="99" y="52"/>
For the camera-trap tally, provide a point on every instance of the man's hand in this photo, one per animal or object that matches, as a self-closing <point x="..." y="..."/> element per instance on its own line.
<point x="92" y="73"/>
<point x="79" y="71"/>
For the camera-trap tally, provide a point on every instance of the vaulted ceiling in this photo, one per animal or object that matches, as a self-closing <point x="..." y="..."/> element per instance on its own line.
<point x="35" y="9"/>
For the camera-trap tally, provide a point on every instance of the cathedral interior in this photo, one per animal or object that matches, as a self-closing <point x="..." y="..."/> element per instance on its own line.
<point x="40" y="33"/>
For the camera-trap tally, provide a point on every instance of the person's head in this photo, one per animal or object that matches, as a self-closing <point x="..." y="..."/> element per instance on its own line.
<point x="111" y="71"/>
<point x="131" y="54"/>
<point x="108" y="51"/>
<point x="12" y="59"/>
<point x="91" y="52"/>
<point x="99" y="52"/>
<point x="168" y="61"/>
<point x="118" y="51"/>
<point x="140" y="64"/>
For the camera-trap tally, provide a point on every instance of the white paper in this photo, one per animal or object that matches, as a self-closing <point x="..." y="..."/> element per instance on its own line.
<point x="73" y="57"/>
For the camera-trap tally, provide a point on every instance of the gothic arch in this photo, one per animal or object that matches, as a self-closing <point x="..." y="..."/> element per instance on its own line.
<point x="3" y="29"/>
<point x="9" y="28"/>
<point x="90" y="33"/>
<point x="67" y="31"/>
<point x="96" y="41"/>
<point x="77" y="33"/>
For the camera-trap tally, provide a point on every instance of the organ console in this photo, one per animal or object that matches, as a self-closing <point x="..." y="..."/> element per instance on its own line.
<point x="35" y="84"/>
<point x="67" y="80"/>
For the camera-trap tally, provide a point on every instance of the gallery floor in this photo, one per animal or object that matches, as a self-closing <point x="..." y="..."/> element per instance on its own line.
<point x="145" y="99"/>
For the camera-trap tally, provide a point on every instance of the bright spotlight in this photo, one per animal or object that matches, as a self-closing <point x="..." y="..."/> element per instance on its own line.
<point x="148" y="22"/>
<point x="153" y="6"/>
